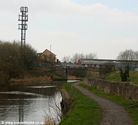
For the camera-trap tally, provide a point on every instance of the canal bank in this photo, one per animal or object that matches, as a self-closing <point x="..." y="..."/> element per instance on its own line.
<point x="83" y="111"/>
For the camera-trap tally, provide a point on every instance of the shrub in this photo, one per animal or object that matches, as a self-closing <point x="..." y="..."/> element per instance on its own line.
<point x="13" y="62"/>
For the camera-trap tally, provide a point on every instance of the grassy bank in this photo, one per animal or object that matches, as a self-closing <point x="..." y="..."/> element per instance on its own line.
<point x="130" y="106"/>
<point x="41" y="80"/>
<point x="38" y="76"/>
<point x="115" y="76"/>
<point x="83" y="111"/>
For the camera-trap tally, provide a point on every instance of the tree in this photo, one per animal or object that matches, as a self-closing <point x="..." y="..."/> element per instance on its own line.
<point x="66" y="59"/>
<point x="30" y="57"/>
<point x="125" y="67"/>
<point x="76" y="57"/>
<point x="9" y="59"/>
<point x="127" y="55"/>
<point x="13" y="62"/>
<point x="79" y="56"/>
<point x="91" y="56"/>
<point x="136" y="55"/>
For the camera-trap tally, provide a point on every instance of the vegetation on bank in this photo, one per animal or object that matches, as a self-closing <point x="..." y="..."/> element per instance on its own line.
<point x="21" y="66"/>
<point x="115" y="76"/>
<point x="84" y="111"/>
<point x="130" y="106"/>
<point x="78" y="72"/>
<point x="14" y="60"/>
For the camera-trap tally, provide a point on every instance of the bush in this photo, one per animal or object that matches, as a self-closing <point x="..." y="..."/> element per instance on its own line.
<point x="78" y="72"/>
<point x="13" y="62"/>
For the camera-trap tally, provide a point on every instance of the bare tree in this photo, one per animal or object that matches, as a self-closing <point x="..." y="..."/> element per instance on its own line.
<point x="79" y="56"/>
<point x="91" y="56"/>
<point x="76" y="57"/>
<point x="66" y="59"/>
<point x="125" y="67"/>
<point x="136" y="54"/>
<point x="127" y="55"/>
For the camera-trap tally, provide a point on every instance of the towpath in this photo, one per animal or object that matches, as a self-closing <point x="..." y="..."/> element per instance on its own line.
<point x="113" y="114"/>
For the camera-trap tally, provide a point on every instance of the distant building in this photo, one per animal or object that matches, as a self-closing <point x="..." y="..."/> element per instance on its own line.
<point x="117" y="64"/>
<point x="47" y="57"/>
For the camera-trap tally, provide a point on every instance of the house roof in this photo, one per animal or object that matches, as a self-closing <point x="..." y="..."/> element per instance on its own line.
<point x="48" y="51"/>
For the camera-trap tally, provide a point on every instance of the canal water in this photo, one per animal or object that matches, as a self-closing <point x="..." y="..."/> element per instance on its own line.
<point x="33" y="105"/>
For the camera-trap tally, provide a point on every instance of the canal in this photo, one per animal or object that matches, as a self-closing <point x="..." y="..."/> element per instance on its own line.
<point x="30" y="105"/>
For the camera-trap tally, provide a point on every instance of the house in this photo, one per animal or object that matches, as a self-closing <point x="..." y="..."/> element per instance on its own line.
<point x="47" y="57"/>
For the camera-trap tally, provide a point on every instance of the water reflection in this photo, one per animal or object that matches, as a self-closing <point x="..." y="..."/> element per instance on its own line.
<point x="24" y="107"/>
<point x="72" y="81"/>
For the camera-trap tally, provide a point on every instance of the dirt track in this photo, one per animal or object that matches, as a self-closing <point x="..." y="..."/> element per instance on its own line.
<point x="113" y="114"/>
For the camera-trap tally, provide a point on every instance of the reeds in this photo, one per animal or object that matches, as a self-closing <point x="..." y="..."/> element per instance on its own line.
<point x="49" y="121"/>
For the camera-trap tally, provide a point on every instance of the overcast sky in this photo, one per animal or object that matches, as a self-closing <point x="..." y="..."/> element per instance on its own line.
<point x="103" y="27"/>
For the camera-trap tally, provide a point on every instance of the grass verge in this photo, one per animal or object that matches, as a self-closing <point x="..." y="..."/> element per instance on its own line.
<point x="115" y="76"/>
<point x="130" y="106"/>
<point x="84" y="111"/>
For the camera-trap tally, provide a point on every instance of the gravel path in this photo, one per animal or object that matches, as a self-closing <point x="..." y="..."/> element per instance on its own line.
<point x="113" y="114"/>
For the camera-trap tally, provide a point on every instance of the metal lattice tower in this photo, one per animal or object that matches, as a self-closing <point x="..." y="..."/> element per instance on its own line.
<point x="23" y="18"/>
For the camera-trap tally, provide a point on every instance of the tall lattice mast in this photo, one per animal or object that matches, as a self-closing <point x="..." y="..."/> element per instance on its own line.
<point x="23" y="18"/>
